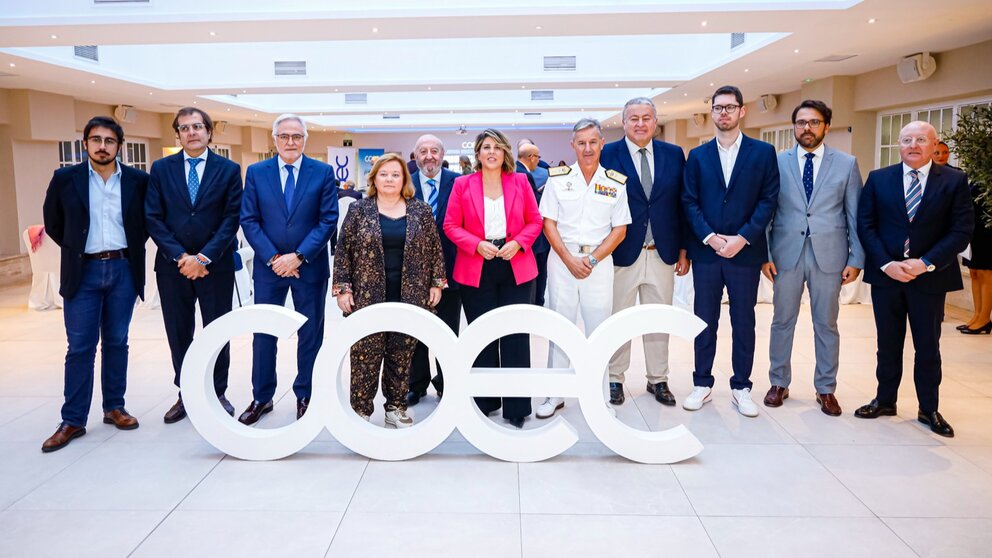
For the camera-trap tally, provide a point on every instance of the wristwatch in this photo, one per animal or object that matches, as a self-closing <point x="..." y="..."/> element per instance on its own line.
<point x="593" y="260"/>
<point x="300" y="255"/>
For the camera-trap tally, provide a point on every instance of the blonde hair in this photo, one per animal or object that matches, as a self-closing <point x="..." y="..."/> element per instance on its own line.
<point x="509" y="165"/>
<point x="407" y="191"/>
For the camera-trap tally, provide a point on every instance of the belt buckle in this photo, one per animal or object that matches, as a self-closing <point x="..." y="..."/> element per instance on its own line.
<point x="104" y="256"/>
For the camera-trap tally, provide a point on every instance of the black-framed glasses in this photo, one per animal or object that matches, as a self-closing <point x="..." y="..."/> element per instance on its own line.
<point x="729" y="109"/>
<point x="813" y="124"/>
<point x="109" y="142"/>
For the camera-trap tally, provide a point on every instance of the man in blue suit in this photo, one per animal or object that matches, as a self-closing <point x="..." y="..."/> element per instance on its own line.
<point x="653" y="252"/>
<point x="192" y="210"/>
<point x="289" y="210"/>
<point x="528" y="163"/>
<point x="731" y="191"/>
<point x="433" y="184"/>
<point x="914" y="218"/>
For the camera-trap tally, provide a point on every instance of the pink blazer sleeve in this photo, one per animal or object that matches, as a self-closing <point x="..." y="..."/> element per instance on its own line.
<point x="532" y="222"/>
<point x="454" y="220"/>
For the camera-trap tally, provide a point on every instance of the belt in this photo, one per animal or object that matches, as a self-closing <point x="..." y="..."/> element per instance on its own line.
<point x="586" y="249"/>
<point x="650" y="247"/>
<point x="108" y="255"/>
<point x="580" y="248"/>
<point x="497" y="242"/>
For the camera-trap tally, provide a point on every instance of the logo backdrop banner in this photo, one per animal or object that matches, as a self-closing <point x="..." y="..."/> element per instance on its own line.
<point x="366" y="158"/>
<point x="345" y="163"/>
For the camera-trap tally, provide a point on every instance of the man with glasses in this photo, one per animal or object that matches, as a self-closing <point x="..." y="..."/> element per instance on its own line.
<point x="95" y="211"/>
<point x="914" y="218"/>
<point x="192" y="209"/>
<point x="819" y="198"/>
<point x="731" y="189"/>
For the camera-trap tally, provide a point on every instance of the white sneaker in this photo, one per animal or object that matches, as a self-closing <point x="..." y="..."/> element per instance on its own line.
<point x="695" y="400"/>
<point x="548" y="408"/>
<point x="397" y="418"/>
<point x="742" y="398"/>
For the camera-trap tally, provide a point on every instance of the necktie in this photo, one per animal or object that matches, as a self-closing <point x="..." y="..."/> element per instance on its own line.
<point x="913" y="197"/>
<point x="808" y="176"/>
<point x="290" y="187"/>
<point x="646" y="182"/>
<point x="432" y="196"/>
<point x="193" y="182"/>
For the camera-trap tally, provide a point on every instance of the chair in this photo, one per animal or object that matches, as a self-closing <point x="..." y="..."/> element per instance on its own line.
<point x="45" y="273"/>
<point x="151" y="301"/>
<point x="244" y="289"/>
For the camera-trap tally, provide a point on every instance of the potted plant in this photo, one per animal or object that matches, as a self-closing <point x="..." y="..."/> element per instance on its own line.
<point x="972" y="143"/>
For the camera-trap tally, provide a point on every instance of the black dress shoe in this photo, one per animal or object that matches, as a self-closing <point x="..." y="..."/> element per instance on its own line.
<point x="226" y="404"/>
<point x="875" y="410"/>
<point x="413" y="397"/>
<point x="986" y="329"/>
<point x="176" y="413"/>
<point x="516" y="421"/>
<point x="616" y="393"/>
<point x="301" y="407"/>
<point x="936" y="423"/>
<point x="661" y="393"/>
<point x="254" y="412"/>
<point x="962" y="327"/>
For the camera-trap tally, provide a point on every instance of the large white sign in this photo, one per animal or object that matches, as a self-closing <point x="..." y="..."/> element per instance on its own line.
<point x="344" y="160"/>
<point x="330" y="407"/>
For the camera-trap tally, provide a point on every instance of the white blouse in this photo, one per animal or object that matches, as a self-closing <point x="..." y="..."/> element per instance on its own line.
<point x="495" y="218"/>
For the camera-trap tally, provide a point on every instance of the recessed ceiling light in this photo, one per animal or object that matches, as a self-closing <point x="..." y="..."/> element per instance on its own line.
<point x="664" y="102"/>
<point x="538" y="28"/>
<point x="711" y="84"/>
<point x="335" y="90"/>
<point x="808" y="80"/>
<point x="703" y="23"/>
<point x="194" y="102"/>
<point x="55" y="36"/>
<point x="375" y="29"/>
<point x="746" y="70"/>
<point x="228" y="110"/>
<point x="213" y="34"/>
<point x="616" y="85"/>
<point x="523" y="86"/>
<point x="796" y="51"/>
<point x="256" y="114"/>
<point x="12" y="65"/>
<point x="428" y="87"/>
<point x="872" y="20"/>
<point x="92" y="81"/>
<point x="150" y="93"/>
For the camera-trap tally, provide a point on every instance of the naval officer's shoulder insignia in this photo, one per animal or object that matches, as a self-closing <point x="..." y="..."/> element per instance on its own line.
<point x="559" y="171"/>
<point x="616" y="176"/>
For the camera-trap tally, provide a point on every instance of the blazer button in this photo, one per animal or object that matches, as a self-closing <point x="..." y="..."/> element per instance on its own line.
<point x="809" y="214"/>
<point x="193" y="214"/>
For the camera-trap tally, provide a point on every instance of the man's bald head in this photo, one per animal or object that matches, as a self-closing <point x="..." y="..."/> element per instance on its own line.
<point x="917" y="141"/>
<point x="529" y="154"/>
<point x="429" y="152"/>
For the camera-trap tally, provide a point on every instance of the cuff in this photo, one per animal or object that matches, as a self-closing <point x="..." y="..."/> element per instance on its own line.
<point x="340" y="288"/>
<point x="708" y="237"/>
<point x="441" y="283"/>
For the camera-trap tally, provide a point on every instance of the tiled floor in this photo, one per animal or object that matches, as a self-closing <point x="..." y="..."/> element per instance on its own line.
<point x="792" y="482"/>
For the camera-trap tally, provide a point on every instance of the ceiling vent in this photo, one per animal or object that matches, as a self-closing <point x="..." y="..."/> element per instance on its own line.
<point x="736" y="40"/>
<point x="88" y="52"/>
<point x="531" y="114"/>
<point x="356" y="98"/>
<point x="5" y="74"/>
<point x="559" y="63"/>
<point x="837" y="57"/>
<point x="390" y="117"/>
<point x="545" y="95"/>
<point x="291" y="68"/>
<point x="105" y="2"/>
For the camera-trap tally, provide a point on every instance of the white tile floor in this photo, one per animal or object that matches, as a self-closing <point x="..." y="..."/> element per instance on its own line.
<point x="792" y="482"/>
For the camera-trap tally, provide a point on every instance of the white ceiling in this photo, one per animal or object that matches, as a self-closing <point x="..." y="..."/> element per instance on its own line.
<point x="443" y="64"/>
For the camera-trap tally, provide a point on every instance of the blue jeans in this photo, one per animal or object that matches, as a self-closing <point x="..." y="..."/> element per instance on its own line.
<point x="101" y="309"/>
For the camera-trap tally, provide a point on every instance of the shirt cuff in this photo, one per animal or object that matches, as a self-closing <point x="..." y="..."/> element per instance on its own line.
<point x="708" y="237"/>
<point x="886" y="265"/>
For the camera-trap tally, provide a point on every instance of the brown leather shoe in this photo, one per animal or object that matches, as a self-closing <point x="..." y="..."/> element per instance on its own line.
<point x="301" y="407"/>
<point x="175" y="413"/>
<point x="120" y="418"/>
<point x="254" y="412"/>
<point x="828" y="404"/>
<point x="775" y="396"/>
<point x="63" y="435"/>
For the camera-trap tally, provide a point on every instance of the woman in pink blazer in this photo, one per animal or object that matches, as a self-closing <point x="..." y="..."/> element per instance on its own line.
<point x="493" y="219"/>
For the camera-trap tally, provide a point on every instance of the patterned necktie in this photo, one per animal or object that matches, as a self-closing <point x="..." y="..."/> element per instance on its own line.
<point x="913" y="197"/>
<point x="290" y="187"/>
<point x="646" y="182"/>
<point x="432" y="197"/>
<point x="808" y="176"/>
<point x="193" y="182"/>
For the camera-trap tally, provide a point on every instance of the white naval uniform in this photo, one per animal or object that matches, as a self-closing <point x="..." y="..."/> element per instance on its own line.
<point x="585" y="214"/>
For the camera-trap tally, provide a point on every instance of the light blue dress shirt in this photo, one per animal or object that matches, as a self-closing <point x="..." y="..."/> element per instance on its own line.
<point x="106" y="214"/>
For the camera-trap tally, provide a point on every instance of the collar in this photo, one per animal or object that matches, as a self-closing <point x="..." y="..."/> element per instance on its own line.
<point x="924" y="170"/>
<point x="737" y="142"/>
<point x="202" y="156"/>
<point x="91" y="172"/>
<point x="818" y="152"/>
<point x="296" y="165"/>
<point x="632" y="147"/>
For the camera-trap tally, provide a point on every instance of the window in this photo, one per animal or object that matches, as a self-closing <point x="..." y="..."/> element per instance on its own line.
<point x="943" y="117"/>
<point x="782" y="138"/>
<point x="135" y="154"/>
<point x="889" y="137"/>
<point x="222" y="150"/>
<point x="70" y="152"/>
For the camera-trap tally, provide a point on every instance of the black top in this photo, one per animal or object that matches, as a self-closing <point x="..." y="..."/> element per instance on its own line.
<point x="393" y="240"/>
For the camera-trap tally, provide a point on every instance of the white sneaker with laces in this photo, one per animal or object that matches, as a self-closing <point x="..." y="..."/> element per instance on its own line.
<point x="696" y="399"/>
<point x="742" y="399"/>
<point x="397" y="418"/>
<point x="548" y="408"/>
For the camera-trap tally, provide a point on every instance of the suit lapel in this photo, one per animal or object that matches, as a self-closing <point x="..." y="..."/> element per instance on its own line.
<point x="659" y="168"/>
<point x="711" y="151"/>
<point x="476" y="192"/>
<point x="794" y="175"/>
<point x="740" y="163"/>
<point x="209" y="174"/>
<point x="821" y="176"/>
<point x="417" y="191"/>
<point x="179" y="175"/>
<point x="82" y="183"/>
<point x="934" y="182"/>
<point x="127" y="192"/>
<point x="627" y="165"/>
<point x="274" y="182"/>
<point x="302" y="181"/>
<point x="509" y="198"/>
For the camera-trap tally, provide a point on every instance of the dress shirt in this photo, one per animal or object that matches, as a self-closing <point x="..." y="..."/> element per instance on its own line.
<point x="426" y="188"/>
<point x="817" y="159"/>
<point x="922" y="174"/>
<point x="284" y="174"/>
<point x="728" y="156"/>
<point x="495" y="217"/>
<point x="106" y="215"/>
<point x="199" y="167"/>
<point x="636" y="156"/>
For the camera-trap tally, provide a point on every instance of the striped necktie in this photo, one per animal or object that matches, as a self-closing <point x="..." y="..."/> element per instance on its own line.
<point x="913" y="197"/>
<point x="432" y="196"/>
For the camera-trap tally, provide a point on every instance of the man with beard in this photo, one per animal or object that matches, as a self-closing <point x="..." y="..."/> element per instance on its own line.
<point x="818" y="197"/>
<point x="731" y="189"/>
<point x="95" y="211"/>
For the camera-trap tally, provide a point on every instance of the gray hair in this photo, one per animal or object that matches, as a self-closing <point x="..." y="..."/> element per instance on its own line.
<point x="289" y="116"/>
<point x="639" y="101"/>
<point x="584" y="123"/>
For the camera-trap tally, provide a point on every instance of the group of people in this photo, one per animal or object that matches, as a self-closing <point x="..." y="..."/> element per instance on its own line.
<point x="615" y="227"/>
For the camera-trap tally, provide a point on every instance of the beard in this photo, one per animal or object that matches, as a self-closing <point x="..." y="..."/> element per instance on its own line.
<point x="101" y="158"/>
<point x="809" y="140"/>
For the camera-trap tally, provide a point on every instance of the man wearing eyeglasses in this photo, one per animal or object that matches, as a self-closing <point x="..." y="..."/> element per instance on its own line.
<point x="731" y="190"/>
<point x="813" y="243"/>
<point x="528" y="163"/>
<point x="914" y="218"/>
<point x="95" y="212"/>
<point x="289" y="211"/>
<point x="192" y="209"/>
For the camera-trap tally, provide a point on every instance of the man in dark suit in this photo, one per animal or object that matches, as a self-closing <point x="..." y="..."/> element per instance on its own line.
<point x="289" y="209"/>
<point x="192" y="209"/>
<point x="731" y="190"/>
<point x="914" y="218"/>
<point x="95" y="212"/>
<point x="347" y="190"/>
<point x="653" y="252"/>
<point x="528" y="159"/>
<point x="433" y="184"/>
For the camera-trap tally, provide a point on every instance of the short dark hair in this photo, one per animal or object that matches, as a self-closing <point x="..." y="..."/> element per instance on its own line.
<point x="189" y="111"/>
<point x="818" y="106"/>
<point x="944" y="143"/>
<point x="104" y="122"/>
<point x="729" y="90"/>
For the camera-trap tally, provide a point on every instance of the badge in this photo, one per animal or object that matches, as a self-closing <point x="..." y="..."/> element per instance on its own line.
<point x="616" y="176"/>
<point x="559" y="171"/>
<point x="608" y="191"/>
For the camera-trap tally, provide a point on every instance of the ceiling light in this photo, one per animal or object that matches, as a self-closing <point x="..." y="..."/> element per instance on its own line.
<point x="335" y="90"/>
<point x="375" y="29"/>
<point x="150" y="93"/>
<point x="538" y="28"/>
<point x="228" y="110"/>
<point x="872" y="20"/>
<point x="616" y="85"/>
<point x="428" y="87"/>
<point x="711" y="84"/>
<point x="746" y="70"/>
<point x="244" y="90"/>
<point x="796" y="51"/>
<point x="55" y="36"/>
<point x="92" y="81"/>
<point x="664" y="102"/>
<point x="703" y="23"/>
<point x="12" y="65"/>
<point x="194" y="102"/>
<point x="685" y="94"/>
<point x="522" y="86"/>
<point x="213" y="34"/>
<point x="256" y="114"/>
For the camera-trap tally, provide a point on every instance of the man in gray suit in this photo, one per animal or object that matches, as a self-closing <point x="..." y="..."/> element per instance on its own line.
<point x="812" y="239"/>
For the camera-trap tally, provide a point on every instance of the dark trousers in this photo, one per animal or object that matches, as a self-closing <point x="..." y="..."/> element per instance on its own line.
<point x="498" y="288"/>
<point x="450" y="312"/>
<point x="392" y="352"/>
<point x="309" y="300"/>
<point x="100" y="311"/>
<point x="741" y="282"/>
<point x="541" y="282"/>
<point x="891" y="306"/>
<point x="179" y="296"/>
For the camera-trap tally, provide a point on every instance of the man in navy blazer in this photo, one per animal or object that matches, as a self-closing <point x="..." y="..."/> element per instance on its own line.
<point x="528" y="161"/>
<point x="289" y="210"/>
<point x="192" y="210"/>
<point x="653" y="252"/>
<point x="914" y="218"/>
<point x="95" y="212"/>
<point x="730" y="195"/>
<point x="433" y="184"/>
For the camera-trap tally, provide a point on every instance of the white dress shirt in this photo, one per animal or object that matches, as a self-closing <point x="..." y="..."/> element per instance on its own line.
<point x="817" y="159"/>
<point x="728" y="157"/>
<point x="106" y="214"/>
<point x="426" y="188"/>
<point x="495" y="212"/>
<point x="199" y="167"/>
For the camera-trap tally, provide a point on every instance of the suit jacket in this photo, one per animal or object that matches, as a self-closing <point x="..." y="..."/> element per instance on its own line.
<point x="270" y="229"/>
<point x="744" y="207"/>
<point x="465" y="225"/>
<point x="359" y="262"/>
<point x="941" y="229"/>
<point x="446" y="180"/>
<point x="349" y="194"/>
<point x="208" y="227"/>
<point x="541" y="245"/>
<point x="67" y="222"/>
<point x="830" y="215"/>
<point x="663" y="211"/>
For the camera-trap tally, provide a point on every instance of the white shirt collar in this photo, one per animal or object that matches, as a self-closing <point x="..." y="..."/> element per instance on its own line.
<point x="924" y="170"/>
<point x="633" y="148"/>
<point x="296" y="165"/>
<point x="117" y="173"/>
<point x="735" y="145"/>
<point x="202" y="156"/>
<point x="818" y="152"/>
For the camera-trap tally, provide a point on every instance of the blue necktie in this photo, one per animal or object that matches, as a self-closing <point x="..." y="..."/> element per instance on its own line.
<point x="808" y="176"/>
<point x="194" y="179"/>
<point x="432" y="197"/>
<point x="290" y="187"/>
<point x="913" y="197"/>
